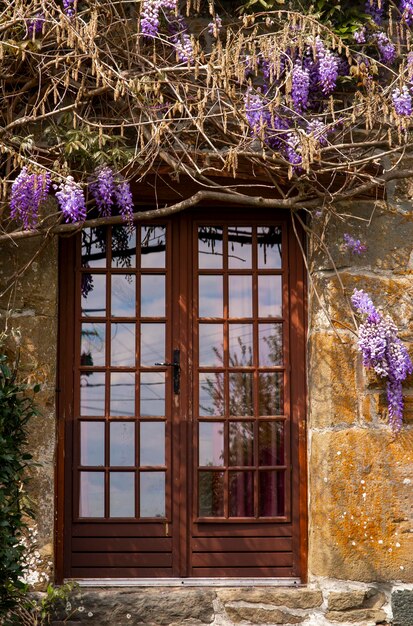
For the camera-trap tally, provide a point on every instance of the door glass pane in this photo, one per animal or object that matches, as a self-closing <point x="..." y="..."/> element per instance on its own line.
<point x="211" y="394"/>
<point x="240" y="393"/>
<point x="122" y="494"/>
<point x="152" y="394"/>
<point x="211" y="494"/>
<point x="211" y="296"/>
<point x="271" y="443"/>
<point x="123" y="295"/>
<point x="269" y="247"/>
<point x="152" y="494"/>
<point x="210" y="247"/>
<point x="211" y="345"/>
<point x="93" y="295"/>
<point x="92" y="443"/>
<point x="92" y="393"/>
<point x="269" y="296"/>
<point x="123" y="246"/>
<point x="239" y="247"/>
<point x="92" y="494"/>
<point x="152" y="344"/>
<point x="270" y="394"/>
<point x="92" y="349"/>
<point x="241" y="444"/>
<point x="122" y="353"/>
<point x="240" y="296"/>
<point x="240" y="345"/>
<point x="270" y="344"/>
<point x="122" y="394"/>
<point x="211" y="444"/>
<point x="271" y="493"/>
<point x="152" y="295"/>
<point x="122" y="443"/>
<point x="241" y="494"/>
<point x="152" y="443"/>
<point x="94" y="247"/>
<point x="153" y="246"/>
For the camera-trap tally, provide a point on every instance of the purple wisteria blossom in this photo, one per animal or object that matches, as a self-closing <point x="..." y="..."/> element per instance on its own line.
<point x="108" y="189"/>
<point x="406" y="9"/>
<point x="360" y="35"/>
<point x="181" y="39"/>
<point x="386" y="48"/>
<point x="150" y="15"/>
<point x="375" y="8"/>
<point x="124" y="200"/>
<point x="318" y="130"/>
<point x="383" y="351"/>
<point x="28" y="192"/>
<point x="35" y="24"/>
<point x="402" y="101"/>
<point x="300" y="86"/>
<point x="354" y="245"/>
<point x="327" y="68"/>
<point x="102" y="187"/>
<point x="71" y="201"/>
<point x="215" y="26"/>
<point x="69" y="7"/>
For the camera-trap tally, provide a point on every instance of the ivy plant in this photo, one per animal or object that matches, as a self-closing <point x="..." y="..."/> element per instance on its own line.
<point x="17" y="408"/>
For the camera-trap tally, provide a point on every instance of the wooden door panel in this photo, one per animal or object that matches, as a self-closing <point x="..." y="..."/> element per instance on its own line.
<point x="187" y="471"/>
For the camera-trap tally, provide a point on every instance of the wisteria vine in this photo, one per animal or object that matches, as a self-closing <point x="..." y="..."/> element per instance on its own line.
<point x="384" y="352"/>
<point x="30" y="191"/>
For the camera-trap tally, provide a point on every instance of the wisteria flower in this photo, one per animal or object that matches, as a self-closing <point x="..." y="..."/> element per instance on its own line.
<point x="402" y="101"/>
<point x="71" y="200"/>
<point x="327" y="68"/>
<point x="406" y="9"/>
<point x="354" y="245"/>
<point x="28" y="192"/>
<point x="383" y="351"/>
<point x="102" y="187"/>
<point x="386" y="48"/>
<point x="300" y="86"/>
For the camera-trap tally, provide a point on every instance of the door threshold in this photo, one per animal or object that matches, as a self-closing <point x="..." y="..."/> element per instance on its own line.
<point x="185" y="582"/>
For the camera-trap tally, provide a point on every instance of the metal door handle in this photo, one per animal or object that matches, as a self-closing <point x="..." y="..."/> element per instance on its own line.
<point x="177" y="369"/>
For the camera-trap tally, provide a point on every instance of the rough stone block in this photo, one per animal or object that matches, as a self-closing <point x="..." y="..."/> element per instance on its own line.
<point x="291" y="598"/>
<point x="332" y="380"/>
<point x="359" y="616"/>
<point x="148" y="607"/>
<point x="261" y="615"/>
<point x="345" y="600"/>
<point x="402" y="605"/>
<point x="359" y="501"/>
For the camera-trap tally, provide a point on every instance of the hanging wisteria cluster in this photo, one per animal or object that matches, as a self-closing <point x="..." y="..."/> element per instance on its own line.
<point x="30" y="190"/>
<point x="28" y="193"/>
<point x="384" y="352"/>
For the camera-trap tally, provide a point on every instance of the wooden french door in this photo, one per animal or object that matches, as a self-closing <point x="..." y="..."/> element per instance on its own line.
<point x="182" y="398"/>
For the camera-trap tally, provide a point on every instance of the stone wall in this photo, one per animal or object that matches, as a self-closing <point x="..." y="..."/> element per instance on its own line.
<point x="360" y="474"/>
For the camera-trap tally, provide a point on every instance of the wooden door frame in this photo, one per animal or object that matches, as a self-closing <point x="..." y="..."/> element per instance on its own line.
<point x="65" y="387"/>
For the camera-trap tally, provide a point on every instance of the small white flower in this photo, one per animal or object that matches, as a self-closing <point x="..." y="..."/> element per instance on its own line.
<point x="90" y="614"/>
<point x="80" y="609"/>
<point x="128" y="615"/>
<point x="68" y="606"/>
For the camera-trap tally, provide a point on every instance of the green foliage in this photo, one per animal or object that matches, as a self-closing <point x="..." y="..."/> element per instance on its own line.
<point x="342" y="16"/>
<point x="16" y="409"/>
<point x="40" y="610"/>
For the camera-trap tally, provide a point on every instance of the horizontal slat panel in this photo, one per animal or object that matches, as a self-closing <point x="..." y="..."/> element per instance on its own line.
<point x="242" y="572"/>
<point x="121" y="544"/>
<point x="120" y="530"/>
<point x="121" y="559"/>
<point x="242" y="559"/>
<point x="242" y="544"/>
<point x="221" y="529"/>
<point x="121" y="572"/>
